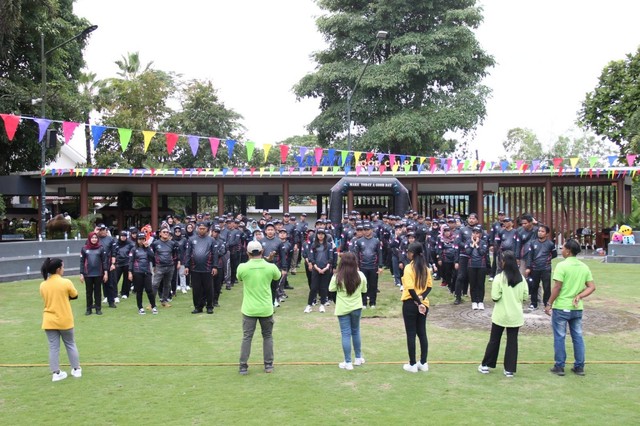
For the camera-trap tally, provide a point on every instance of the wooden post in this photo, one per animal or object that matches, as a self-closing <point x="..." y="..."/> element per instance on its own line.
<point x="154" y="205"/>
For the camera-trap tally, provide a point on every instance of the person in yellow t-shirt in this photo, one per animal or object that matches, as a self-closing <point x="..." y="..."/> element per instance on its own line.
<point x="57" y="317"/>
<point x="416" y="285"/>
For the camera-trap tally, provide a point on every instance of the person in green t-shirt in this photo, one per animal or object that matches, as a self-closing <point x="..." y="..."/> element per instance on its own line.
<point x="508" y="291"/>
<point x="256" y="276"/>
<point x="572" y="283"/>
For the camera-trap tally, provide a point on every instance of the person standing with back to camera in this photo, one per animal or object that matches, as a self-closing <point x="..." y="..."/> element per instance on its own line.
<point x="57" y="317"/>
<point x="416" y="285"/>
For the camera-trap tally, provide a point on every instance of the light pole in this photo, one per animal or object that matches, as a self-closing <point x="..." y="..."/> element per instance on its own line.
<point x="43" y="91"/>
<point x="381" y="35"/>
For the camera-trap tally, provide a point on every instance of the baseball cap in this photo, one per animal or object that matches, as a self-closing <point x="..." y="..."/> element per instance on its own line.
<point x="102" y="226"/>
<point x="477" y="229"/>
<point x="254" y="247"/>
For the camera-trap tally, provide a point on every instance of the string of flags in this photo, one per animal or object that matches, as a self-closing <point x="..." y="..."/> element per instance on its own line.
<point x="317" y="160"/>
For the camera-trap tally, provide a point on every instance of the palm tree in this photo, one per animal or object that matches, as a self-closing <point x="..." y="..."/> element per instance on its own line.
<point x="130" y="66"/>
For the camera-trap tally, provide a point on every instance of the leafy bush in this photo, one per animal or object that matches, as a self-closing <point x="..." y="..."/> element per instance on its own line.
<point x="83" y="225"/>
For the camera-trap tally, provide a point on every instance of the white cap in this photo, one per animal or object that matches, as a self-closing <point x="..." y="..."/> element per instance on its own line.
<point x="254" y="247"/>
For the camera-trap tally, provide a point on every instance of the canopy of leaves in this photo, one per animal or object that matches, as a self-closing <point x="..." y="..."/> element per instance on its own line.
<point x="421" y="82"/>
<point x="139" y="99"/>
<point x="612" y="109"/>
<point x="21" y="23"/>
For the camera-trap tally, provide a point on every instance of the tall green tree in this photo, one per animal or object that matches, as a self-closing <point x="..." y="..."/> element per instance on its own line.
<point x="21" y="22"/>
<point x="138" y="102"/>
<point x="522" y="144"/>
<point x="583" y="146"/>
<point x="612" y="109"/>
<point x="202" y="113"/>
<point x="423" y="81"/>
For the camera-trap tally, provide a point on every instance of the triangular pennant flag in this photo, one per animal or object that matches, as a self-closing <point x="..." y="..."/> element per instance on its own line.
<point x="324" y="170"/>
<point x="284" y="152"/>
<point x="369" y="169"/>
<point x="380" y="158"/>
<point x="281" y="170"/>
<point x="402" y="159"/>
<point x="68" y="127"/>
<point x="612" y="159"/>
<point x="318" y="155"/>
<point x="343" y="157"/>
<point x="147" y="136"/>
<point x="291" y="169"/>
<point x="460" y="166"/>
<point x="225" y="170"/>
<point x="96" y="134"/>
<point x="172" y="139"/>
<point x="303" y="152"/>
<point x="194" y="142"/>
<point x="535" y="164"/>
<point x="230" y="144"/>
<point x="504" y="164"/>
<point x="43" y="125"/>
<point x="250" y="145"/>
<point x="358" y="170"/>
<point x="369" y="156"/>
<point x="261" y="171"/>
<point x="235" y="171"/>
<point x="125" y="137"/>
<point x="252" y="170"/>
<point x="482" y="164"/>
<point x="331" y="152"/>
<point x="214" y="142"/>
<point x="443" y="162"/>
<point x="266" y="147"/>
<point x="593" y="161"/>
<point x="382" y="168"/>
<point x="519" y="164"/>
<point x="392" y="159"/>
<point x="631" y="158"/>
<point x="574" y="162"/>
<point x="314" y="169"/>
<point x="356" y="155"/>
<point x="11" y="124"/>
<point x="557" y="162"/>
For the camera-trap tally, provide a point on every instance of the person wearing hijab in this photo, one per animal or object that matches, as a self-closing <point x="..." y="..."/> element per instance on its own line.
<point x="94" y="264"/>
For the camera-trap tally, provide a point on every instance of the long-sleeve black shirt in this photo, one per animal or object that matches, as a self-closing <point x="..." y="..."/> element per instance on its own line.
<point x="166" y="252"/>
<point x="368" y="251"/>
<point x="93" y="262"/>
<point x="202" y="254"/>
<point x="539" y="255"/>
<point x="141" y="260"/>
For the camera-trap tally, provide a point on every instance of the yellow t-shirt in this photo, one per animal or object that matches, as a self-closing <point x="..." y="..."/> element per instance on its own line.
<point x="409" y="280"/>
<point x="55" y="292"/>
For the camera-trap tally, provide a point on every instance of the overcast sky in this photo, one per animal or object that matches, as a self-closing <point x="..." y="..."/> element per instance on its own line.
<point x="549" y="53"/>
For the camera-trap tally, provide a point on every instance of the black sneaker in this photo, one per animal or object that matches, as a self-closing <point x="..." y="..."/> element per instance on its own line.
<point x="112" y="305"/>
<point x="88" y="312"/>
<point x="244" y="369"/>
<point x="457" y="302"/>
<point x="268" y="368"/>
<point x="98" y="311"/>
<point x="288" y="287"/>
<point x="578" y="370"/>
<point x="557" y="370"/>
<point x="228" y="287"/>
<point x="209" y="310"/>
<point x="196" y="311"/>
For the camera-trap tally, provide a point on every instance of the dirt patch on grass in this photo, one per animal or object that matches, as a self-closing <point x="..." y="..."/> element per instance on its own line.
<point x="596" y="319"/>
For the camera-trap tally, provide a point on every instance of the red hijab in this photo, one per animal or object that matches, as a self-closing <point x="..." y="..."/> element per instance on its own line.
<point x="89" y="245"/>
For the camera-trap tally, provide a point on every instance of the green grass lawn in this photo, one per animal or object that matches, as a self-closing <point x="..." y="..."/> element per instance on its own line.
<point x="178" y="368"/>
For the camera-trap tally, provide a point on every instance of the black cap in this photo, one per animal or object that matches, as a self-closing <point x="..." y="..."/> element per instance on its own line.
<point x="427" y="218"/>
<point x="507" y="219"/>
<point x="367" y="225"/>
<point x="477" y="229"/>
<point x="501" y="212"/>
<point x="102" y="226"/>
<point x="283" y="230"/>
<point x="133" y="230"/>
<point x="321" y="231"/>
<point x="176" y="229"/>
<point x="359" y="227"/>
<point x="292" y="217"/>
<point x="398" y="225"/>
<point x="124" y="233"/>
<point x="286" y="214"/>
<point x="303" y="214"/>
<point x="256" y="230"/>
<point x="450" y="219"/>
<point x="141" y="236"/>
<point x="319" y="220"/>
<point x="411" y="234"/>
<point x="268" y="224"/>
<point x="216" y="229"/>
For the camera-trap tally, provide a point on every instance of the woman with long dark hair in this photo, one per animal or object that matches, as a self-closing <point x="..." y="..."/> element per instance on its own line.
<point x="322" y="260"/>
<point x="57" y="317"/>
<point x="94" y="264"/>
<point x="416" y="285"/>
<point x="141" y="262"/>
<point x="508" y="291"/>
<point x="349" y="285"/>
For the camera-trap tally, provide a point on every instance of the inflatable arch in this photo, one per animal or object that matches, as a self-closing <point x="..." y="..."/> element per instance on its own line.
<point x="386" y="185"/>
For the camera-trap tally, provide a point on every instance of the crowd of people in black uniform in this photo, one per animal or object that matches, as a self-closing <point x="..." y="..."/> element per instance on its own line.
<point x="201" y="253"/>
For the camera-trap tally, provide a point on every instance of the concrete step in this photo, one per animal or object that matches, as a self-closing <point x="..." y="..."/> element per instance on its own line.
<point x="17" y="249"/>
<point x="623" y="259"/>
<point x="17" y="267"/>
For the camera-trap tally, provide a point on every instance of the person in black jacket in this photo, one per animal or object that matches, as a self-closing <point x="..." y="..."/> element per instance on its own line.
<point x="179" y="279"/>
<point x="166" y="253"/>
<point x="322" y="260"/>
<point x="141" y="261"/>
<point x="477" y="250"/>
<point x="94" y="264"/>
<point x="121" y="249"/>
<point x="368" y="250"/>
<point x="202" y="265"/>
<point x="538" y="263"/>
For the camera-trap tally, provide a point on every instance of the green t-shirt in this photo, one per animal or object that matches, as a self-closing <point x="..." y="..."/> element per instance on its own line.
<point x="574" y="275"/>
<point x="256" y="276"/>
<point x="507" y="311"/>
<point x="346" y="304"/>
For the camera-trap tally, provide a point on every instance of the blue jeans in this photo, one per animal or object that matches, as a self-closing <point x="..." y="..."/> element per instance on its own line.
<point x="350" y="330"/>
<point x="559" y="320"/>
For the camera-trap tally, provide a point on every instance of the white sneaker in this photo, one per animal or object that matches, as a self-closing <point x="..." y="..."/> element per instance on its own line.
<point x="321" y="308"/>
<point x="410" y="368"/>
<point x="346" y="365"/>
<point x="423" y="367"/>
<point x="105" y="300"/>
<point x="154" y="311"/>
<point x="481" y="306"/>
<point x="372" y="307"/>
<point x="474" y="306"/>
<point x="307" y="309"/>
<point x="364" y="306"/>
<point x="327" y="303"/>
<point x="358" y="361"/>
<point x="124" y="297"/>
<point x="276" y="304"/>
<point x="117" y="300"/>
<point x="401" y="288"/>
<point x="76" y="372"/>
<point x="61" y="375"/>
<point x="188" y="288"/>
<point x="141" y="311"/>
<point x="184" y="290"/>
<point x="483" y="369"/>
<point x="490" y="279"/>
